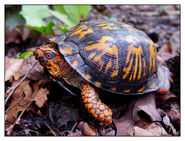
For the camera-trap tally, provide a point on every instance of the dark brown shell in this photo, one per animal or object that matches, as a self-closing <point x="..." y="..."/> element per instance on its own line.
<point x="113" y="56"/>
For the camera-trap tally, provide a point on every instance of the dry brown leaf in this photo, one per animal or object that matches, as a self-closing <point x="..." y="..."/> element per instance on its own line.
<point x="36" y="73"/>
<point x="125" y="124"/>
<point x="170" y="49"/>
<point x="152" y="130"/>
<point x="18" y="67"/>
<point x="86" y="129"/>
<point x="156" y="129"/>
<point x="146" y="103"/>
<point x="40" y="94"/>
<point x="40" y="97"/>
<point x="19" y="100"/>
<point x="12" y="66"/>
<point x="23" y="95"/>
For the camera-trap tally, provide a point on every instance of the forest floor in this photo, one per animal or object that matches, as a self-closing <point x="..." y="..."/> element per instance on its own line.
<point x="39" y="107"/>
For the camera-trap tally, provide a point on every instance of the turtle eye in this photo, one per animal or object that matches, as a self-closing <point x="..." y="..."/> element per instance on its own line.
<point x="48" y="55"/>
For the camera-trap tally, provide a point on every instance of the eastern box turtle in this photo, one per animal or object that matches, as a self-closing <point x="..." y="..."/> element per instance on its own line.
<point x="112" y="56"/>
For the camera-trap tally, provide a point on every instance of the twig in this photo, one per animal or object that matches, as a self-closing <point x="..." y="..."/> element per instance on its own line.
<point x="74" y="126"/>
<point x="13" y="89"/>
<point x="52" y="131"/>
<point x="14" y="103"/>
<point x="18" y="119"/>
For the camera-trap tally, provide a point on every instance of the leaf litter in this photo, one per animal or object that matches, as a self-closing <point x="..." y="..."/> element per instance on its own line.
<point x="39" y="107"/>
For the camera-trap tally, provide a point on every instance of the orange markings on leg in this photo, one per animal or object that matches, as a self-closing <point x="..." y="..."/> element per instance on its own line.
<point x="93" y="104"/>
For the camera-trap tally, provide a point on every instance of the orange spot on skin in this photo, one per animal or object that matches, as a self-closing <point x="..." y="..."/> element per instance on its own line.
<point x="89" y="100"/>
<point x="79" y="31"/>
<point x="85" y="100"/>
<point x="75" y="63"/>
<point x="97" y="111"/>
<point x="108" y="120"/>
<point x="106" y="112"/>
<point x="102" y="107"/>
<point x="105" y="49"/>
<point x="140" y="90"/>
<point x="97" y="83"/>
<point x="94" y="105"/>
<point x="92" y="111"/>
<point x="126" y="91"/>
<point x="89" y="106"/>
<point x="101" y="116"/>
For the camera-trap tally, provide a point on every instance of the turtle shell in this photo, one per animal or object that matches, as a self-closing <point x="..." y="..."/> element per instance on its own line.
<point x="113" y="56"/>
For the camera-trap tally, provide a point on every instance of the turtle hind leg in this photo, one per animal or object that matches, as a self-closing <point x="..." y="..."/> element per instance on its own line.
<point x="94" y="106"/>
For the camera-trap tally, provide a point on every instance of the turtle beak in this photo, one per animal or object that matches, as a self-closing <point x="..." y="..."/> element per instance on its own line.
<point x="39" y="55"/>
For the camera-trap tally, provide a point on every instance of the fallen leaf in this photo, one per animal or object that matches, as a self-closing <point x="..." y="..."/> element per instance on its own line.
<point x="156" y="129"/>
<point x="12" y="66"/>
<point x="87" y="130"/>
<point x="19" y="100"/>
<point x="40" y="94"/>
<point x="146" y="103"/>
<point x="36" y="73"/>
<point x="152" y="130"/>
<point x="125" y="124"/>
<point x="170" y="49"/>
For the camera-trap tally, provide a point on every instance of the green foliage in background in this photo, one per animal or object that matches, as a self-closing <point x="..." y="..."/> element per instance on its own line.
<point x="24" y="55"/>
<point x="43" y="17"/>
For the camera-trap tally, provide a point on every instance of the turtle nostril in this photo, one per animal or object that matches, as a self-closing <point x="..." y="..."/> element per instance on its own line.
<point x="36" y="56"/>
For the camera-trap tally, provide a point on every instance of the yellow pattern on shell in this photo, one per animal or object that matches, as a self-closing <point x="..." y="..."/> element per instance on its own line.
<point x="105" y="49"/>
<point x="79" y="31"/>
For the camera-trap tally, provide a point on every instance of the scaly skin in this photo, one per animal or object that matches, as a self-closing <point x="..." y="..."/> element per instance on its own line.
<point x="94" y="105"/>
<point x="50" y="58"/>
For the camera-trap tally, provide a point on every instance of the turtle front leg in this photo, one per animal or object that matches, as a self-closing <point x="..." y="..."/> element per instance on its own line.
<point x="94" y="105"/>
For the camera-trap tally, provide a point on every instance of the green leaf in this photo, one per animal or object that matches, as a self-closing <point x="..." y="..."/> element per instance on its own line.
<point x="73" y="13"/>
<point x="63" y="28"/>
<point x="34" y="14"/>
<point x="59" y="8"/>
<point x="62" y="17"/>
<point x="24" y="55"/>
<point x="45" y="29"/>
<point x="12" y="17"/>
<point x="84" y="10"/>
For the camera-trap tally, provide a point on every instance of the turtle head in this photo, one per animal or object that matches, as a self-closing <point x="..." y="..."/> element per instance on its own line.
<point x="50" y="58"/>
